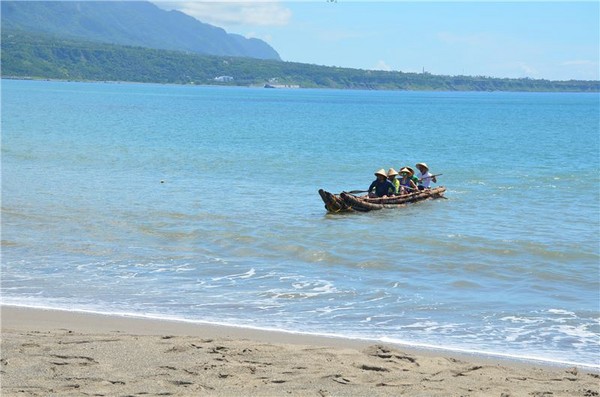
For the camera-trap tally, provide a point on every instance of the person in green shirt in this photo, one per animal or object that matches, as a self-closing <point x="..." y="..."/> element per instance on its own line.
<point x="412" y="175"/>
<point x="391" y="174"/>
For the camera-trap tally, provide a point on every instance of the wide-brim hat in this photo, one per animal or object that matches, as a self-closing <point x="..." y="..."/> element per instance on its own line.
<point x="422" y="165"/>
<point x="405" y="169"/>
<point x="412" y="172"/>
<point x="381" y="172"/>
<point x="392" y="172"/>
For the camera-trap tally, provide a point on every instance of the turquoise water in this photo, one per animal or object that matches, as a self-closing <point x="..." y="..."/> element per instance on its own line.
<point x="200" y="203"/>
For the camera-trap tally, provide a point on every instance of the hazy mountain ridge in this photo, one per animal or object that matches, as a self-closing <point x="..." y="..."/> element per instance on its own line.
<point x="137" y="23"/>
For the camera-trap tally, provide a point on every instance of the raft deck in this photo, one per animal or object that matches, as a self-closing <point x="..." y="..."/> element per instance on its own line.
<point x="346" y="202"/>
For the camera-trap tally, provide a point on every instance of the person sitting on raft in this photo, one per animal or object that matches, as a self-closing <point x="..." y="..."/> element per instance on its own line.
<point x="425" y="177"/>
<point x="411" y="174"/>
<point x="392" y="174"/>
<point x="381" y="186"/>
<point x="407" y="185"/>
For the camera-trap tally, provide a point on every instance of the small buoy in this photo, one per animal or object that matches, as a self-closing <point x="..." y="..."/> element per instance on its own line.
<point x="161" y="181"/>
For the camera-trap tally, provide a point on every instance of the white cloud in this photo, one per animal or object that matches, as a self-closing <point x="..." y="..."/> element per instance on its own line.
<point x="253" y="35"/>
<point x="240" y="12"/>
<point x="529" y="71"/>
<point x="381" y="65"/>
<point x="514" y="69"/>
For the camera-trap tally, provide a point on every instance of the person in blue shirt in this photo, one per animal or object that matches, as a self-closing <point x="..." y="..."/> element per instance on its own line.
<point x="381" y="186"/>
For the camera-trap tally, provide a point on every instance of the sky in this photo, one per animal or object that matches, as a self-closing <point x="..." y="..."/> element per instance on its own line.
<point x="539" y="39"/>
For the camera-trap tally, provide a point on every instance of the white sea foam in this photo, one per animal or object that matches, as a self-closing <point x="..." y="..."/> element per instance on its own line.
<point x="522" y="320"/>
<point x="579" y="332"/>
<point x="482" y="352"/>
<point x="562" y="312"/>
<point x="247" y="274"/>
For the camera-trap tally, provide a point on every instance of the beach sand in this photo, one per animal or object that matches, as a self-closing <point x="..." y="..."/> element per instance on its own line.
<point x="58" y="353"/>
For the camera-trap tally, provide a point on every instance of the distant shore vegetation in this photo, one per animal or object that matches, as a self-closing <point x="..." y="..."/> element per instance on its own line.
<point x="32" y="56"/>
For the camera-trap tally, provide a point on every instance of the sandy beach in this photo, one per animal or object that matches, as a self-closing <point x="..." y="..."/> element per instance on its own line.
<point x="52" y="353"/>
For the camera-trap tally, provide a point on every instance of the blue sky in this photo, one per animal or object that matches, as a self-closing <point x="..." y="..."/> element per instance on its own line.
<point x="550" y="40"/>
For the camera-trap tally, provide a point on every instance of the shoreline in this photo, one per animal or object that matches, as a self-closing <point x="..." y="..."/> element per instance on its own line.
<point x="46" y="351"/>
<point x="261" y="86"/>
<point x="47" y="318"/>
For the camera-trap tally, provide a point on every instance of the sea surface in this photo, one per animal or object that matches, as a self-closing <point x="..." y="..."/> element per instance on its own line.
<point x="200" y="204"/>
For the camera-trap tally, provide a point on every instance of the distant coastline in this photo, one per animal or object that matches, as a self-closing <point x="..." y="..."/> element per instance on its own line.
<point x="40" y="57"/>
<point x="261" y="86"/>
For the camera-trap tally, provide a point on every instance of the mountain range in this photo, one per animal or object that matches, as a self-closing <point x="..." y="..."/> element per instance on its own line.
<point x="132" y="23"/>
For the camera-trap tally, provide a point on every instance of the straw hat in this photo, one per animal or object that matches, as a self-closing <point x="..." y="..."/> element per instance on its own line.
<point x="392" y="172"/>
<point x="412" y="172"/>
<point x="405" y="169"/>
<point x="422" y="165"/>
<point x="381" y="172"/>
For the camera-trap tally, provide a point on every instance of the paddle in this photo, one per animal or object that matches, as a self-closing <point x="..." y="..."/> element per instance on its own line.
<point x="366" y="191"/>
<point x="406" y="187"/>
<point x="357" y="191"/>
<point x="432" y="176"/>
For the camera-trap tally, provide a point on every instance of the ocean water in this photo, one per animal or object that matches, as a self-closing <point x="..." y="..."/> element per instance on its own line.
<point x="200" y="204"/>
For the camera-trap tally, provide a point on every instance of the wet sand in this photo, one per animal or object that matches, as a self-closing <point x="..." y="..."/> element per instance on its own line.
<point x="60" y="353"/>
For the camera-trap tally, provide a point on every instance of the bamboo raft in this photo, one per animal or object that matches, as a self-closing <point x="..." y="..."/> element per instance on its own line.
<point x="346" y="202"/>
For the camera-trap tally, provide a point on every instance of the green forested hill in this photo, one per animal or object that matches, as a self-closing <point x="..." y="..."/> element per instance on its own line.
<point x="26" y="55"/>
